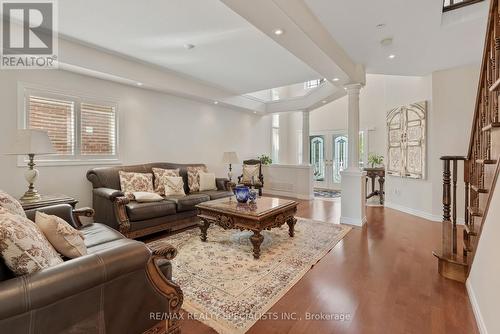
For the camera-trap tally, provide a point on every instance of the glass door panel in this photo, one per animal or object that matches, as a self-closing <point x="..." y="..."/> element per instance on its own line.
<point x="318" y="157"/>
<point x="339" y="157"/>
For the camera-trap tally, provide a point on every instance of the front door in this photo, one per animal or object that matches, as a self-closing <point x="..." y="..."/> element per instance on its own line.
<point x="328" y="159"/>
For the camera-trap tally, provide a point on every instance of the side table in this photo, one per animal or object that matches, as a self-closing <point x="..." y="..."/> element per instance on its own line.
<point x="373" y="173"/>
<point x="48" y="200"/>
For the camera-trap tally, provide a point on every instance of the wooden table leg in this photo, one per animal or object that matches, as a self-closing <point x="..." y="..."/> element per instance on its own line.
<point x="381" y="181"/>
<point x="291" y="225"/>
<point x="204" y="224"/>
<point x="256" y="240"/>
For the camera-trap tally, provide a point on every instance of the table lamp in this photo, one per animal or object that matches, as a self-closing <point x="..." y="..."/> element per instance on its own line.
<point x="32" y="142"/>
<point x="230" y="158"/>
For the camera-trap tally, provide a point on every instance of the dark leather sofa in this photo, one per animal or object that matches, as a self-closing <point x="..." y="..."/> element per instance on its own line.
<point x="138" y="219"/>
<point x="113" y="289"/>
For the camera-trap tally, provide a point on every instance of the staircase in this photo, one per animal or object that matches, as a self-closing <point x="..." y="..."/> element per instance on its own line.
<point x="481" y="165"/>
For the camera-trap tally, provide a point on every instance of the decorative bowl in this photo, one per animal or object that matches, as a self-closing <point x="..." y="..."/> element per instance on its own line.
<point x="242" y="193"/>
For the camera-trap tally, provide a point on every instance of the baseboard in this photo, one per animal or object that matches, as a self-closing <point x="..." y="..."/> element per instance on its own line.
<point x="475" y="308"/>
<point x="287" y="194"/>
<point x="419" y="213"/>
<point x="353" y="222"/>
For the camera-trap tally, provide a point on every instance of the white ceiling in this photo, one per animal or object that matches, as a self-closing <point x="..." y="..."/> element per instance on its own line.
<point x="424" y="40"/>
<point x="229" y="53"/>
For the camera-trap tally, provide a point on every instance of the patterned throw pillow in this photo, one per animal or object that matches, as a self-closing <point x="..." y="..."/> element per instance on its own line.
<point x="132" y="182"/>
<point x="249" y="171"/>
<point x="11" y="204"/>
<point x="159" y="174"/>
<point x="194" y="177"/>
<point x="23" y="246"/>
<point x="64" y="238"/>
<point x="174" y="186"/>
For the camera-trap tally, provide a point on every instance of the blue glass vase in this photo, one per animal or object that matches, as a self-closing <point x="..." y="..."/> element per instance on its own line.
<point x="242" y="193"/>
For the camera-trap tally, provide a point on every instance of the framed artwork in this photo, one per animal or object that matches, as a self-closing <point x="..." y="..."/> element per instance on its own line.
<point x="406" y="140"/>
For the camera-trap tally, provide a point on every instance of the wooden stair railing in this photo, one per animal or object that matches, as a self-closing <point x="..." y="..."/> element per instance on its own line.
<point x="481" y="165"/>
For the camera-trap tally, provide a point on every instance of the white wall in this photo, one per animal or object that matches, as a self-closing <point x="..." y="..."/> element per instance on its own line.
<point x="482" y="284"/>
<point x="153" y="127"/>
<point x="451" y="95"/>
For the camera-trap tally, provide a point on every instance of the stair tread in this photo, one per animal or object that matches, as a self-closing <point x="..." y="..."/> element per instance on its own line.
<point x="470" y="230"/>
<point x="451" y="258"/>
<point x="475" y="211"/>
<point x="486" y="161"/>
<point x="479" y="190"/>
<point x="491" y="125"/>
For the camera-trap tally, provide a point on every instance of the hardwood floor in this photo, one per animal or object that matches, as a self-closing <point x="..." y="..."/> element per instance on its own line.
<point x="383" y="276"/>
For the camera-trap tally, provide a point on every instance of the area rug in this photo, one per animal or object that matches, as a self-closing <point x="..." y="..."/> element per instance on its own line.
<point x="226" y="288"/>
<point x="326" y="194"/>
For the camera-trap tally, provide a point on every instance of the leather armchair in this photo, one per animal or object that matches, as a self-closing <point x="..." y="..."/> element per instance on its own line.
<point x="115" y="288"/>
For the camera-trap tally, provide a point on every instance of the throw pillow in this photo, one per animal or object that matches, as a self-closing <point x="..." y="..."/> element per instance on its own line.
<point x="174" y="186"/>
<point x="207" y="181"/>
<point x="67" y="240"/>
<point x="250" y="171"/>
<point x="194" y="177"/>
<point x="11" y="204"/>
<point x="159" y="174"/>
<point x="145" y="197"/>
<point x="132" y="182"/>
<point x="23" y="246"/>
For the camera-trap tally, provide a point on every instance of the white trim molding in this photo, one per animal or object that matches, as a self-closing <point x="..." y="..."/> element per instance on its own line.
<point x="419" y="213"/>
<point x="475" y="308"/>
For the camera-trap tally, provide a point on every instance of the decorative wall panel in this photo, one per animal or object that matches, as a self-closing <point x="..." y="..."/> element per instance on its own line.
<point x="406" y="140"/>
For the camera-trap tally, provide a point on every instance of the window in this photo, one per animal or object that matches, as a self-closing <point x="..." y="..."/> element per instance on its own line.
<point x="313" y="83"/>
<point x="455" y="4"/>
<point x="79" y="128"/>
<point x="275" y="138"/>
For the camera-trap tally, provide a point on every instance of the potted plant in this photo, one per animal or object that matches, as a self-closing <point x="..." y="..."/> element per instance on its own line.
<point x="375" y="160"/>
<point x="265" y="159"/>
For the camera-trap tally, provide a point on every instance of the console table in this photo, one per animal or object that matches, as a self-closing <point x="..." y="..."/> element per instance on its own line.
<point x="373" y="173"/>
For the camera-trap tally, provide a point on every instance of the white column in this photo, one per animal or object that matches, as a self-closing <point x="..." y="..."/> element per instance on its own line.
<point x="305" y="138"/>
<point x="353" y="179"/>
<point x="353" y="126"/>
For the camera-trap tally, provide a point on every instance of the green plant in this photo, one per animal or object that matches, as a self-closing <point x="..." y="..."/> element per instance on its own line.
<point x="375" y="159"/>
<point x="265" y="159"/>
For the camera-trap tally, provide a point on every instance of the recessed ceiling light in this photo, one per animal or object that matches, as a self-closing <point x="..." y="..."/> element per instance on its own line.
<point x="254" y="112"/>
<point x="335" y="79"/>
<point x="380" y="25"/>
<point x="391" y="56"/>
<point x="139" y="84"/>
<point x="279" y="32"/>
<point x="189" y="46"/>
<point x="216" y="102"/>
<point x="324" y="101"/>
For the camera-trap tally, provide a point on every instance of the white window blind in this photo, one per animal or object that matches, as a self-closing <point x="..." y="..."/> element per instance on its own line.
<point x="98" y="129"/>
<point x="57" y="118"/>
<point x="80" y="128"/>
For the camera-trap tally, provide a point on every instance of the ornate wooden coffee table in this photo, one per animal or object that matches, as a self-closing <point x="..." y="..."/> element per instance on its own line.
<point x="265" y="214"/>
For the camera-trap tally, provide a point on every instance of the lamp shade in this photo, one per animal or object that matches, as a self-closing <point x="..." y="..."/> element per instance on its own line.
<point x="230" y="158"/>
<point x="32" y="141"/>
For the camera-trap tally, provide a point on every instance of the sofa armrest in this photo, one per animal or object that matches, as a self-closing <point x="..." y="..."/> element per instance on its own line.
<point x="82" y="212"/>
<point x="166" y="287"/>
<point x="63" y="211"/>
<point x="108" y="193"/>
<point x="222" y="183"/>
<point x="29" y="292"/>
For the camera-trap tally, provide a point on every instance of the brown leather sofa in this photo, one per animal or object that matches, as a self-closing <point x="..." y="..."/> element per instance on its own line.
<point x="115" y="288"/>
<point x="138" y="219"/>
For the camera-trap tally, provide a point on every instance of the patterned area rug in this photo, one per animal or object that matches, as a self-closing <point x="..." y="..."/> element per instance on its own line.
<point x="326" y="194"/>
<point x="226" y="288"/>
